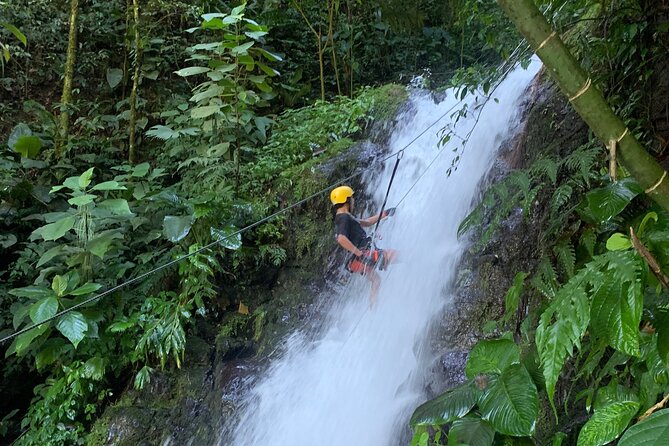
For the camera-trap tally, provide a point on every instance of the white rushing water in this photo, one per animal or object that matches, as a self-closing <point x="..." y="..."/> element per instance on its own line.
<point x="358" y="381"/>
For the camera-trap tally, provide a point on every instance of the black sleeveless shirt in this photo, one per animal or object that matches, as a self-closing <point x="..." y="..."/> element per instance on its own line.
<point x="347" y="225"/>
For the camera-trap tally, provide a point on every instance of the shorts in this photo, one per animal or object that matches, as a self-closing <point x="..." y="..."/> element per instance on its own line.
<point x="355" y="265"/>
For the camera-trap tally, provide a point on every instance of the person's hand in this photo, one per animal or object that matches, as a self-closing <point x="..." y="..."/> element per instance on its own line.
<point x="389" y="212"/>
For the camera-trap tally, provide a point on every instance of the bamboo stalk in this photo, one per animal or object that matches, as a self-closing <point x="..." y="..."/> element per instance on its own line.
<point x="66" y="97"/>
<point x="586" y="98"/>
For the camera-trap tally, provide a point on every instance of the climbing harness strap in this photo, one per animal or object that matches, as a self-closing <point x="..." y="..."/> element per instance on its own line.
<point x="400" y="154"/>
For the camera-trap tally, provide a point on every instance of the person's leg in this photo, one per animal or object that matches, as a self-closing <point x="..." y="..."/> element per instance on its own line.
<point x="375" y="281"/>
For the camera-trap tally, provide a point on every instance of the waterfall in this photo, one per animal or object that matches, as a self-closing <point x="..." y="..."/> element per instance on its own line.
<point x="358" y="380"/>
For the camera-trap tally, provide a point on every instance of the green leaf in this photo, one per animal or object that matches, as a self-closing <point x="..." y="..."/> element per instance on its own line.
<point x="203" y="112"/>
<point x="117" y="206"/>
<point x="19" y="131"/>
<point x="176" y="228"/>
<point x="618" y="242"/>
<point x="99" y="245"/>
<point x="492" y="356"/>
<point x="114" y="77"/>
<point x="59" y="285"/>
<point x="73" y="326"/>
<point x="162" y="132"/>
<point x="51" y="351"/>
<point x="472" y="430"/>
<point x="561" y="327"/>
<point x="94" y="368"/>
<point x="56" y="230"/>
<point x="32" y="292"/>
<point x="191" y="71"/>
<point x="616" y="314"/>
<point x="24" y="340"/>
<point x="18" y="34"/>
<point x="447" y="407"/>
<point x="109" y="185"/>
<point x="86" y="289"/>
<point x="510" y="402"/>
<point x="243" y="48"/>
<point x="50" y="254"/>
<point x="85" y="178"/>
<point x="43" y="309"/>
<point x="653" y="431"/>
<point x="607" y="423"/>
<point x="512" y="297"/>
<point x="140" y="170"/>
<point x="225" y="237"/>
<point x="82" y="200"/>
<point x="607" y="202"/>
<point x="272" y="57"/>
<point x="28" y="146"/>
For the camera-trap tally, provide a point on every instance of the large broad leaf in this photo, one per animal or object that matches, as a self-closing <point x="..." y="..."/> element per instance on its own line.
<point x="510" y="402"/>
<point x="447" y="407"/>
<point x="86" y="289"/>
<point x="19" y="131"/>
<point x="94" y="368"/>
<point x="43" y="309"/>
<point x="23" y="341"/>
<point x="616" y="314"/>
<point x="117" y="206"/>
<point x="492" y="357"/>
<point x="226" y="238"/>
<point x="613" y="393"/>
<point x="176" y="228"/>
<point x="85" y="178"/>
<point x="109" y="185"/>
<point x="34" y="292"/>
<point x="561" y="327"/>
<point x="607" y="423"/>
<point x="191" y="71"/>
<point x="114" y="77"/>
<point x="101" y="243"/>
<point x="607" y="202"/>
<point x="28" y="146"/>
<point x="471" y="430"/>
<point x="50" y="254"/>
<point x="54" y="231"/>
<point x="73" y="326"/>
<point x="203" y="112"/>
<point x="653" y="431"/>
<point x="17" y="33"/>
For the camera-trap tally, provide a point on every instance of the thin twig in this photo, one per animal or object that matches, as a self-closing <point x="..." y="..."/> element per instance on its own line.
<point x="659" y="405"/>
<point x="648" y="257"/>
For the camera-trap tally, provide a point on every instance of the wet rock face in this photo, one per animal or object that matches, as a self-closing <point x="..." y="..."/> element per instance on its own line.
<point x="549" y="127"/>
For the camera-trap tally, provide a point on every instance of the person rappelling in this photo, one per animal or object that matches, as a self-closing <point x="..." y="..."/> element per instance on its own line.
<point x="351" y="236"/>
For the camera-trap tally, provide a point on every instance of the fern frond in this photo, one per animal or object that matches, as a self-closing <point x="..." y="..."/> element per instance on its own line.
<point x="561" y="196"/>
<point x="528" y="200"/>
<point x="561" y="327"/>
<point x="545" y="279"/>
<point x="521" y="180"/>
<point x="588" y="240"/>
<point x="545" y="167"/>
<point x="566" y="256"/>
<point x="584" y="162"/>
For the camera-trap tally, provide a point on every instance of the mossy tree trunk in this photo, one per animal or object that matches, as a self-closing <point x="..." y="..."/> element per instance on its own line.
<point x="66" y="97"/>
<point x="586" y="98"/>
<point x="132" y="137"/>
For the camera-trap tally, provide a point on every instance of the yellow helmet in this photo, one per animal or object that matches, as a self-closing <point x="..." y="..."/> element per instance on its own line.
<point x="340" y="194"/>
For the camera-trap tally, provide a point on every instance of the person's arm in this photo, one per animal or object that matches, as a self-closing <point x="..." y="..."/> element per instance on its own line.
<point x="345" y="243"/>
<point x="369" y="221"/>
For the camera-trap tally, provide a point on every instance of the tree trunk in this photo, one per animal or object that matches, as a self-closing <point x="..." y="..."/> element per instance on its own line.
<point x="586" y="98"/>
<point x="331" y="8"/>
<point x="319" y="43"/>
<point x="132" y="138"/>
<point x="66" y="97"/>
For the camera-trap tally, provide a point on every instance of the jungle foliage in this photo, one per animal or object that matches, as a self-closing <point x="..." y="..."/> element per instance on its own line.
<point x="580" y="355"/>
